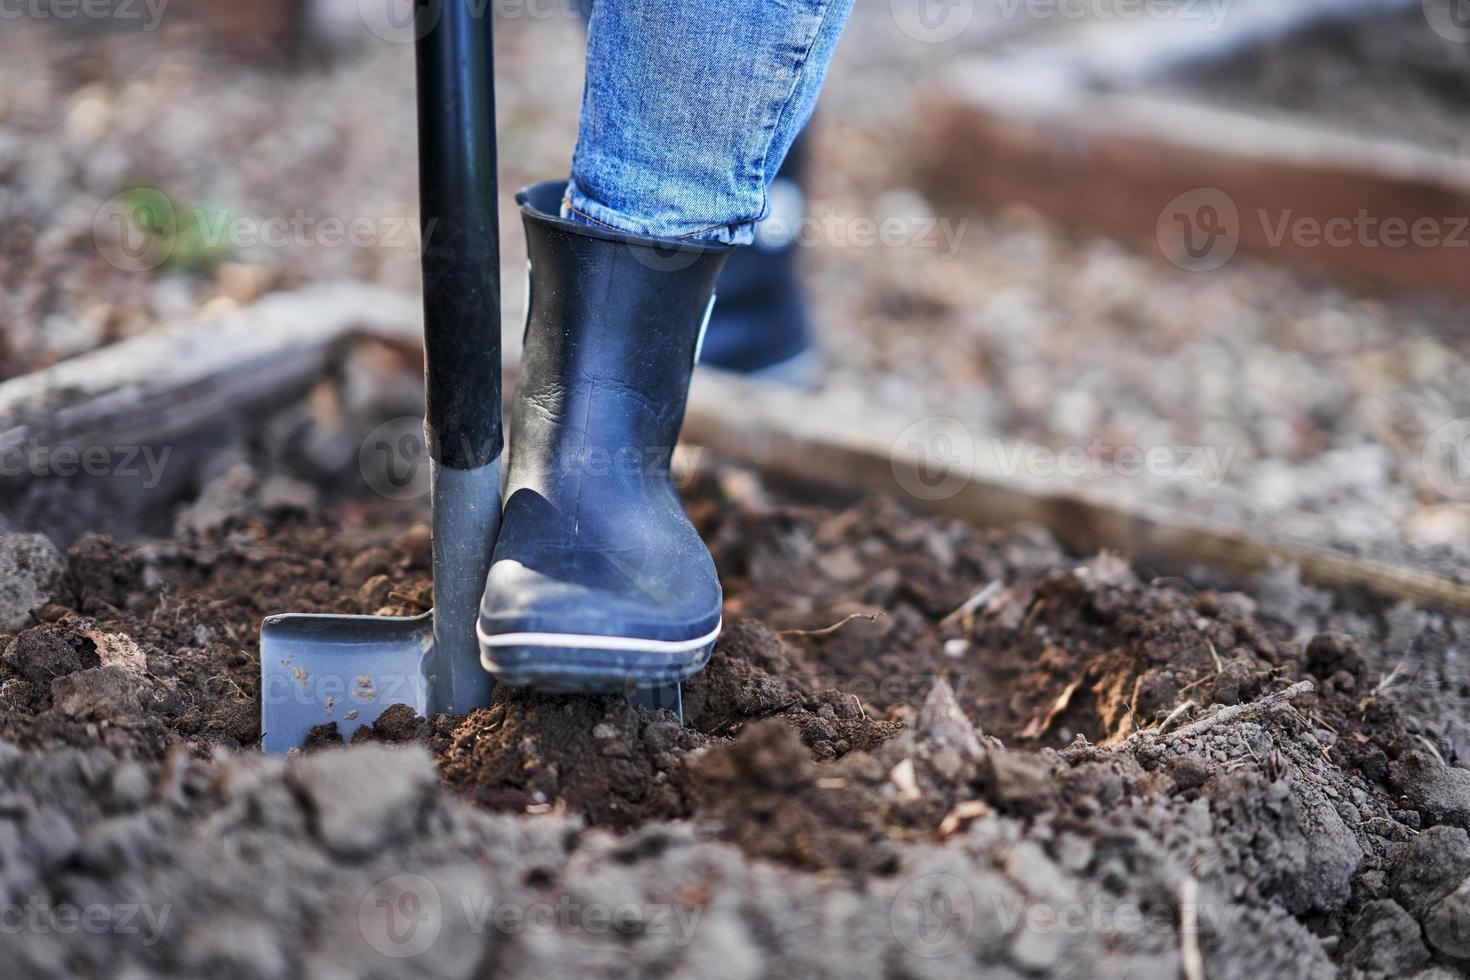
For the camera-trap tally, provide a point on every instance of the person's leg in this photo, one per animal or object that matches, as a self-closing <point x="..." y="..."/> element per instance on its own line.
<point x="690" y="107"/>
<point x="760" y="325"/>
<point x="599" y="581"/>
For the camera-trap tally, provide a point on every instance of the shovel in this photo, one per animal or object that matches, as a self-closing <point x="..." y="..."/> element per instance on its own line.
<point x="349" y="669"/>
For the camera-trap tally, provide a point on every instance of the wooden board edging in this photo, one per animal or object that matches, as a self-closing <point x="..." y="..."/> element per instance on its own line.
<point x="160" y="383"/>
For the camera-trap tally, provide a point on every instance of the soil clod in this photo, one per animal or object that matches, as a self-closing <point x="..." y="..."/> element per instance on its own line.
<point x="1083" y="738"/>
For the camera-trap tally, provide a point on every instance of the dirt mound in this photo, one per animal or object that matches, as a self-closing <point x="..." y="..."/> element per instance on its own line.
<point x="917" y="743"/>
<point x="598" y="756"/>
<point x="617" y="765"/>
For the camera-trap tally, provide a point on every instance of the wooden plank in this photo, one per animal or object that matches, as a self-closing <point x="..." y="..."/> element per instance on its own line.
<point x="160" y="385"/>
<point x="166" y="382"/>
<point x="1114" y="49"/>
<point x="153" y="414"/>
<point x="1116" y="162"/>
<point x="796" y="435"/>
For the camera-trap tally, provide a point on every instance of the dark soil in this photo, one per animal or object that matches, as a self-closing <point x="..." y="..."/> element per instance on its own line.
<point x="921" y="750"/>
<point x="1390" y="75"/>
<point x="871" y="742"/>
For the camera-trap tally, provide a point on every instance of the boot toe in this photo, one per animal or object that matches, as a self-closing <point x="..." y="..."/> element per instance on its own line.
<point x="576" y="619"/>
<point x="581" y="598"/>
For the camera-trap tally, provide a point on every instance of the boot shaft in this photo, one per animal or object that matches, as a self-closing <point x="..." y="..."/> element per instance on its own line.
<point x="612" y="334"/>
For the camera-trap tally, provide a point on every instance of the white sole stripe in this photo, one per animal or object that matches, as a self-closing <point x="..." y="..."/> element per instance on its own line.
<point x="592" y="641"/>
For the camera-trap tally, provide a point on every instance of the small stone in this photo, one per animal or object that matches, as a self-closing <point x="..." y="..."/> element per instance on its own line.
<point x="223" y="498"/>
<point x="1331" y="652"/>
<point x="399" y="723"/>
<point x="279" y="494"/>
<point x="1238" y="681"/>
<point x="242" y="282"/>
<point x="1405" y="623"/>
<point x="129" y="785"/>
<point x="50" y="835"/>
<point x="1019" y="782"/>
<point x="1431" y="865"/>
<point x="415" y="547"/>
<point x="365" y="564"/>
<point x="30" y="577"/>
<point x="231" y="948"/>
<point x="1189" y="771"/>
<point x="943" y="723"/>
<point x="1447" y="923"/>
<point x="373" y="594"/>
<point x="1037" y="949"/>
<point x="118" y="650"/>
<point x="41" y="657"/>
<point x="1028" y="865"/>
<point x="1237" y="604"/>
<point x="1384" y="939"/>
<point x="1074" y="852"/>
<point x="841" y="565"/>
<point x="364" y="797"/>
<point x="99" y="693"/>
<point x="1441" y="793"/>
<point x="120" y="843"/>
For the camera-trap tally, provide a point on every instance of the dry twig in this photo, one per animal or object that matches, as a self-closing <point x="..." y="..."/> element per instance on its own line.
<point x="1175" y="715"/>
<point x="827" y="630"/>
<point x="1238" y="712"/>
<point x="1058" y="706"/>
<point x="976" y="601"/>
<point x="1225" y="716"/>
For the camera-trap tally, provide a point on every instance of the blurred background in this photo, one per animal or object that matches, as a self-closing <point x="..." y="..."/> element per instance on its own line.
<point x="1210" y="254"/>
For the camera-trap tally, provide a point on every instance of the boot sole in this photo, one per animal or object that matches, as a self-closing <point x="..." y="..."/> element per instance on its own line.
<point x="590" y="664"/>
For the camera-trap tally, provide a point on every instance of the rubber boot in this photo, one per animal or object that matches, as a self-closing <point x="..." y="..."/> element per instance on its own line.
<point x="599" y="582"/>
<point x="760" y="326"/>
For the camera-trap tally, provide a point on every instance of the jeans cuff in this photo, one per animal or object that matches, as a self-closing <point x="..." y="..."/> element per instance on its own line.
<point x="575" y="206"/>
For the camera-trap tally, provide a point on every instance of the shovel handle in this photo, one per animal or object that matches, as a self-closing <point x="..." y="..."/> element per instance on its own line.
<point x="460" y="225"/>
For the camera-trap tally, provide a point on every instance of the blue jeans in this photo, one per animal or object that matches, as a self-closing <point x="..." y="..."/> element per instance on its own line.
<point x="689" y="109"/>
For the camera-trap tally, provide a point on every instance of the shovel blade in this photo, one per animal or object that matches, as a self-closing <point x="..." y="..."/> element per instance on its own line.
<point x="348" y="669"/>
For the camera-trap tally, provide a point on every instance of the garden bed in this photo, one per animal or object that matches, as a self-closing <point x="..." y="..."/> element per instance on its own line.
<point x="917" y="744"/>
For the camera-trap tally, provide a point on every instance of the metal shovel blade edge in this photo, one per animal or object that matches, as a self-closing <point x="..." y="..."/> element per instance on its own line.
<point x="346" y="669"/>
